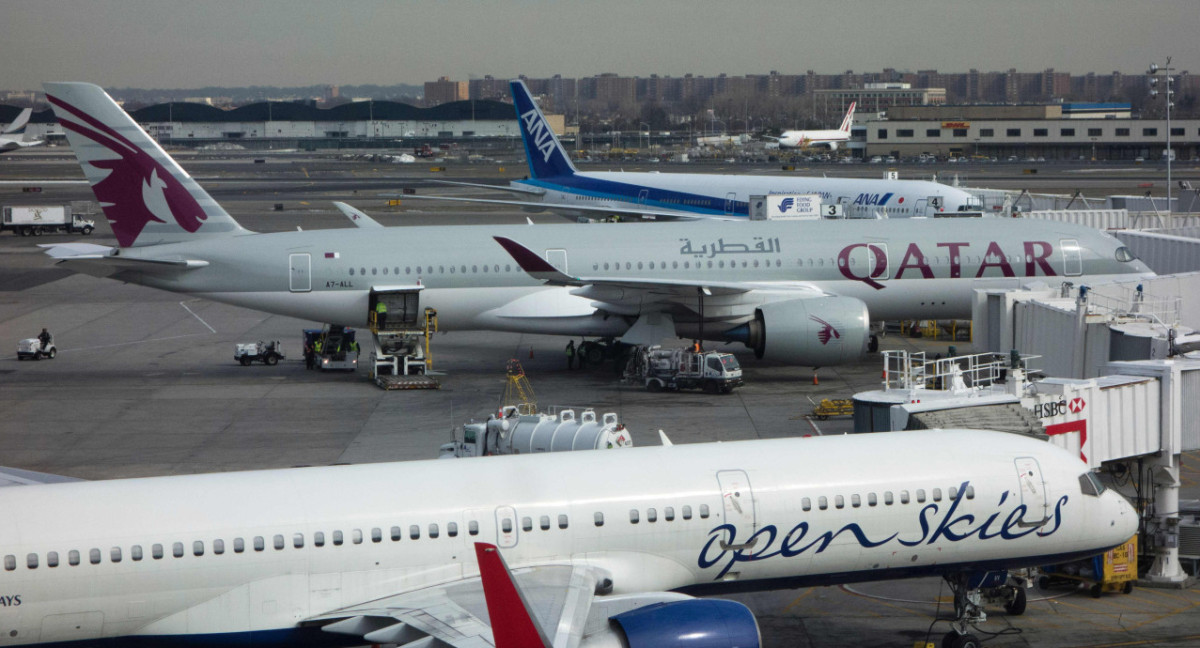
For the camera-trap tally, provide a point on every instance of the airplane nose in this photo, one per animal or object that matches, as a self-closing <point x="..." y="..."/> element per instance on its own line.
<point x="1124" y="517"/>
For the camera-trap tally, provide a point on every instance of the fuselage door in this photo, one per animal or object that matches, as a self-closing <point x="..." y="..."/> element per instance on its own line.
<point x="558" y="259"/>
<point x="730" y="203"/>
<point x="867" y="261"/>
<point x="738" y="503"/>
<point x="1072" y="260"/>
<point x="643" y="195"/>
<point x="300" y="274"/>
<point x="506" y="527"/>
<point x="1033" y="491"/>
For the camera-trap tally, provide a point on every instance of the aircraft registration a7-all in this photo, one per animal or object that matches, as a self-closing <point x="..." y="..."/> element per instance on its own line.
<point x="801" y="293"/>
<point x="607" y="547"/>
<point x="554" y="184"/>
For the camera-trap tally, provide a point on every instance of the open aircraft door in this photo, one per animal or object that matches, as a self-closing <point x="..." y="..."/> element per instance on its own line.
<point x="300" y="272"/>
<point x="737" y="501"/>
<point x="403" y="305"/>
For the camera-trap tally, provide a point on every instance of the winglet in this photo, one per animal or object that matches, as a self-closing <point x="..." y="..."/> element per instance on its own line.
<point x="356" y="216"/>
<point x="19" y="123"/>
<point x="513" y="625"/>
<point x="531" y="263"/>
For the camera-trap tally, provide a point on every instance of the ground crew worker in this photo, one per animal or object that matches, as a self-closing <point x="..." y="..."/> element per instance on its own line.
<point x="354" y="347"/>
<point x="319" y="345"/>
<point x="581" y="355"/>
<point x="380" y="314"/>
<point x="696" y="346"/>
<point x="570" y="354"/>
<point x="310" y="358"/>
<point x="45" y="338"/>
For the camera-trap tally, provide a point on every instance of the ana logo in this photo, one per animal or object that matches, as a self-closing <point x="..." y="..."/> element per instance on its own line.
<point x="138" y="189"/>
<point x="827" y="331"/>
<point x="540" y="135"/>
<point x="1076" y="405"/>
<point x="872" y="199"/>
<point x="786" y="204"/>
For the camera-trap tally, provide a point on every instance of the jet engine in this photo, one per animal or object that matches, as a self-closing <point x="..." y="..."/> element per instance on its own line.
<point x="832" y="146"/>
<point x="817" y="332"/>
<point x="696" y="623"/>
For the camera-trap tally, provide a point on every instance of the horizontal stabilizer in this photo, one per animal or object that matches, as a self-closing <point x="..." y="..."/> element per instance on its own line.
<point x="101" y="261"/>
<point x="601" y="211"/>
<point x="18" y="477"/>
<point x="529" y="191"/>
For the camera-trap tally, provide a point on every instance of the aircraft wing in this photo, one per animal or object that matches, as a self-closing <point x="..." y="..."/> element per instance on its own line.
<point x="528" y="191"/>
<point x="456" y="613"/>
<point x="632" y="211"/>
<point x="19" y="123"/>
<point x="18" y="477"/>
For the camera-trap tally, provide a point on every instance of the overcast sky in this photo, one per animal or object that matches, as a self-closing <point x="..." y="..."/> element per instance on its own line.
<point x="194" y="43"/>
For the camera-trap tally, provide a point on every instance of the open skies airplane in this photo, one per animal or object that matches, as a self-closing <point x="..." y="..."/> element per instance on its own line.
<point x="606" y="548"/>
<point x="554" y="184"/>
<point x="802" y="293"/>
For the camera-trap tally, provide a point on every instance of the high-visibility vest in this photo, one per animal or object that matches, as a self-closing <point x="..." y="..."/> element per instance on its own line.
<point x="380" y="307"/>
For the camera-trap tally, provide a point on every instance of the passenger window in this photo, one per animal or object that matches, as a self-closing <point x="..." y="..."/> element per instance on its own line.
<point x="396" y="534"/>
<point x="545" y="522"/>
<point x="277" y="542"/>
<point x="562" y="521"/>
<point x="198" y="548"/>
<point x="668" y="514"/>
<point x="156" y="552"/>
<point x="839" y="501"/>
<point x="598" y="519"/>
<point x="527" y="523"/>
<point x="218" y="547"/>
<point x="506" y="525"/>
<point x="259" y="543"/>
<point x="239" y="545"/>
<point x="855" y="500"/>
<point x="318" y="538"/>
<point x="704" y="511"/>
<point x="356" y="536"/>
<point x="937" y="494"/>
<point x="452" y="527"/>
<point x="10" y="562"/>
<point x="31" y="561"/>
<point x="135" y="552"/>
<point x="887" y="498"/>
<point x="634" y="516"/>
<point x="473" y="528"/>
<point x="94" y="556"/>
<point x="52" y="559"/>
<point x="904" y="497"/>
<point x="920" y="496"/>
<point x="414" y="532"/>
<point x="806" y="504"/>
<point x="871" y="499"/>
<point x="177" y="550"/>
<point x="687" y="512"/>
<point x="651" y="515"/>
<point x="337" y="538"/>
<point x="953" y="493"/>
<point x="298" y="540"/>
<point x="433" y="530"/>
<point x="72" y="558"/>
<point x="822" y="503"/>
<point x="376" y="535"/>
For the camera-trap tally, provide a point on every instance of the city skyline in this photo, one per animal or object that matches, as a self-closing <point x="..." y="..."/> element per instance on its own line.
<point x="174" y="44"/>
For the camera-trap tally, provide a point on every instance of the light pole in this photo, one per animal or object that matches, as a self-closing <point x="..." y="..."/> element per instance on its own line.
<point x="647" y="131"/>
<point x="1168" y="92"/>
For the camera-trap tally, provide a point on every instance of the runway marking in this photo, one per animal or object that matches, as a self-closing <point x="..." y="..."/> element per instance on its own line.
<point x="197" y="317"/>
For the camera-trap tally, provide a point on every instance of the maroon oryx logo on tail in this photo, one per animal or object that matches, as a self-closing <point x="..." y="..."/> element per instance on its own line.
<point x="827" y="331"/>
<point x="137" y="189"/>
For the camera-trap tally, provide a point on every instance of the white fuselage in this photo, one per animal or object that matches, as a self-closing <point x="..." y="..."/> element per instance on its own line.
<point x="798" y="139"/>
<point x="239" y="552"/>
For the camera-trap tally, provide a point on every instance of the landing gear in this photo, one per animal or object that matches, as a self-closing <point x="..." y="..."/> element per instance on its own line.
<point x="970" y="593"/>
<point x="955" y="640"/>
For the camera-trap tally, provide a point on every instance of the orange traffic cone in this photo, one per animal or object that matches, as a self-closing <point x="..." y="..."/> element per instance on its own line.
<point x="815" y="381"/>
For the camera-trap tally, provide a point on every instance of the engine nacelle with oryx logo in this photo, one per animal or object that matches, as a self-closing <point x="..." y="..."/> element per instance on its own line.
<point x="817" y="332"/>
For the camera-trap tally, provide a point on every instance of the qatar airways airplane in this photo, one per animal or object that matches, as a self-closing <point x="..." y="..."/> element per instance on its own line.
<point x="606" y="547"/>
<point x="827" y="138"/>
<point x="554" y="184"/>
<point x="798" y="293"/>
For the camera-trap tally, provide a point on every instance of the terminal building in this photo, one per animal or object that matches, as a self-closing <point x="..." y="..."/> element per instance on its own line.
<point x="1054" y="132"/>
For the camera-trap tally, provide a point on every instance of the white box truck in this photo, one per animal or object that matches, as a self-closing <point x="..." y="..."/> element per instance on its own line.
<point x="44" y="219"/>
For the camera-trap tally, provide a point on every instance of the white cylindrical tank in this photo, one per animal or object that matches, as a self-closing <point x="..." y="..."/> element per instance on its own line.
<point x="546" y="433"/>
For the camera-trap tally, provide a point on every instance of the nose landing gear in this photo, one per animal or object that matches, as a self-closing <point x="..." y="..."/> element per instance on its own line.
<point x="970" y="593"/>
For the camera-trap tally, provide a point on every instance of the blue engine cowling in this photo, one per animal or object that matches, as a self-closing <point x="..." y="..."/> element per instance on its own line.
<point x="695" y="623"/>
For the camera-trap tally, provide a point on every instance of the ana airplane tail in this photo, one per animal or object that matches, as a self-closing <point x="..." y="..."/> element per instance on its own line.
<point x="846" y="123"/>
<point x="146" y="196"/>
<point x="547" y="157"/>
<point x="18" y="124"/>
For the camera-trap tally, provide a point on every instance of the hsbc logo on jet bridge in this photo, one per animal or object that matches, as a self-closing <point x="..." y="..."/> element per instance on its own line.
<point x="540" y="134"/>
<point x="875" y="266"/>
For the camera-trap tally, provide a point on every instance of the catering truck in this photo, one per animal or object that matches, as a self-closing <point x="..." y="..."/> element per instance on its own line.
<point x="44" y="219"/>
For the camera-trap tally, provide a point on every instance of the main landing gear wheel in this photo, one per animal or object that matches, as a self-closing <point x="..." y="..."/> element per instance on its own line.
<point x="955" y="640"/>
<point x="1016" y="605"/>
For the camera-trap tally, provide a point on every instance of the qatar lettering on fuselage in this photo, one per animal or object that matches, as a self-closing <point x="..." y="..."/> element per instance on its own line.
<point x="1035" y="254"/>
<point x="725" y="549"/>
<point x="539" y="133"/>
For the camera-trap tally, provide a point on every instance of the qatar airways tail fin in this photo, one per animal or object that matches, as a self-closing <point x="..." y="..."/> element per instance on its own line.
<point x="146" y="196"/>
<point x="849" y="120"/>
<point x="547" y="157"/>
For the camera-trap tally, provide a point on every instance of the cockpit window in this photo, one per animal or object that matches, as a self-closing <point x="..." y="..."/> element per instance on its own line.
<point x="1090" y="484"/>
<point x="1124" y="255"/>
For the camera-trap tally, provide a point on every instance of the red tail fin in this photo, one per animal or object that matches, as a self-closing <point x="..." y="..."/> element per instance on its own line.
<point x="849" y="118"/>
<point x="513" y="625"/>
